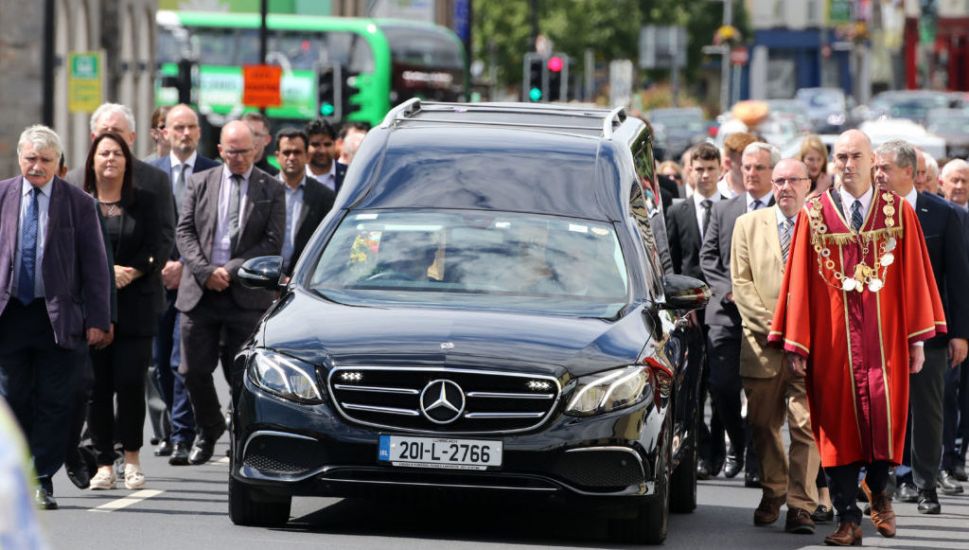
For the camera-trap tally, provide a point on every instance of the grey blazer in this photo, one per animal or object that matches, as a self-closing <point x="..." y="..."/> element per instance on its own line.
<point x="261" y="234"/>
<point x="715" y="260"/>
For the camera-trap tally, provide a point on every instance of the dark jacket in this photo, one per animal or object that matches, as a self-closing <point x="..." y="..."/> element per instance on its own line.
<point x="317" y="202"/>
<point x="139" y="302"/>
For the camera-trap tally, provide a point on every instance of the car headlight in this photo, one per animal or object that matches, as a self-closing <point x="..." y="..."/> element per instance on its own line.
<point x="284" y="376"/>
<point x="610" y="390"/>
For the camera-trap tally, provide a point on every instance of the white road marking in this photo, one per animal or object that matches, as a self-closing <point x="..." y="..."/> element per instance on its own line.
<point x="133" y="498"/>
<point x="223" y="460"/>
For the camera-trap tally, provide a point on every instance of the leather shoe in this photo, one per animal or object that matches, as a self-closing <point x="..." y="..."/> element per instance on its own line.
<point x="164" y="448"/>
<point x="848" y="534"/>
<point x="823" y="514"/>
<point x="44" y="499"/>
<point x="799" y="521"/>
<point x="77" y="471"/>
<point x="205" y="446"/>
<point x="906" y="492"/>
<point x="882" y="514"/>
<point x="180" y="452"/>
<point x="929" y="502"/>
<point x="959" y="472"/>
<point x="733" y="466"/>
<point x="768" y="510"/>
<point x="948" y="485"/>
<point x="752" y="480"/>
<point x="702" y="470"/>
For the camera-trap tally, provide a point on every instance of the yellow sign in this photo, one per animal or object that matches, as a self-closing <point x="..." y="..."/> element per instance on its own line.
<point x="85" y="72"/>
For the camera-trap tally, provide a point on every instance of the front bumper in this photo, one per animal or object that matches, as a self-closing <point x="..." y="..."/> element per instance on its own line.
<point x="285" y="448"/>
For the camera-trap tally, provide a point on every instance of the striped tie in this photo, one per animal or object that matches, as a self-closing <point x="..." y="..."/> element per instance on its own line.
<point x="856" y="219"/>
<point x="786" y="227"/>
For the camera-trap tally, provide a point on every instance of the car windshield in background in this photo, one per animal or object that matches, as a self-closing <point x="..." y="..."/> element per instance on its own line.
<point x="826" y="99"/>
<point x="474" y="259"/>
<point x="680" y="123"/>
<point x="953" y="124"/>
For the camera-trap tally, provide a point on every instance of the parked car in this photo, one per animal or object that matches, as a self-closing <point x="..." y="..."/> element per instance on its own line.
<point x="887" y="129"/>
<point x="677" y="129"/>
<point x="795" y="110"/>
<point x="952" y="125"/>
<point x="828" y="109"/>
<point x="913" y="105"/>
<point x="483" y="310"/>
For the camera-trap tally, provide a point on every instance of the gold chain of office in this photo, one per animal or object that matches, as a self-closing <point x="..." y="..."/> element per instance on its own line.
<point x="864" y="275"/>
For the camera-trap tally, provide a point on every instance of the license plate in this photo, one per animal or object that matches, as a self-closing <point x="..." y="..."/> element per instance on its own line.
<point x="428" y="452"/>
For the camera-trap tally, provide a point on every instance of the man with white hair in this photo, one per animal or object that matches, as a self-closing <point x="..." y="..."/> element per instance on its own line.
<point x="955" y="183"/>
<point x="931" y="175"/>
<point x="55" y="299"/>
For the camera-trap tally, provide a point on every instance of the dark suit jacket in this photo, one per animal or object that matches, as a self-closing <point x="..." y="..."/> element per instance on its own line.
<point x="715" y="259"/>
<point x="261" y="234"/>
<point x="341" y="174"/>
<point x="684" y="237"/>
<point x="317" y="202"/>
<point x="74" y="268"/>
<point x="165" y="165"/>
<point x="139" y="302"/>
<point x="152" y="179"/>
<point x="943" y="225"/>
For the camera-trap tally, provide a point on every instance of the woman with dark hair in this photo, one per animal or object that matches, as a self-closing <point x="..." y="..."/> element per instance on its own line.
<point x="132" y="223"/>
<point x="814" y="154"/>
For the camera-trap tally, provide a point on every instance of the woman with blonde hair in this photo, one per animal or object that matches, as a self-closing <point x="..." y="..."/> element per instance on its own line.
<point x="814" y="154"/>
<point x="672" y="170"/>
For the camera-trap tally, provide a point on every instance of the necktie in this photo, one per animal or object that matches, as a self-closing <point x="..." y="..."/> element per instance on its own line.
<point x="756" y="205"/>
<point x="706" y="204"/>
<point x="856" y="219"/>
<point x="234" y="192"/>
<point x="786" y="227"/>
<point x="28" y="250"/>
<point x="179" y="186"/>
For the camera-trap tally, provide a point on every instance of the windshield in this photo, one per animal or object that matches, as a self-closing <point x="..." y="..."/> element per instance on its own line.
<point x="485" y="259"/>
<point x="823" y="99"/>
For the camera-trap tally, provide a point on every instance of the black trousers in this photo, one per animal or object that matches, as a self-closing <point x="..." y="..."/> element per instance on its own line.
<point x="923" y="446"/>
<point x="723" y="350"/>
<point x="711" y="445"/>
<point x="843" y="484"/>
<point x="172" y="383"/>
<point x="119" y="372"/>
<point x="956" y="416"/>
<point x="213" y="332"/>
<point x="38" y="379"/>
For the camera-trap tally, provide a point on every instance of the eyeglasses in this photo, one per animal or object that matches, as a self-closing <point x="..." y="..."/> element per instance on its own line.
<point x="781" y="182"/>
<point x="235" y="152"/>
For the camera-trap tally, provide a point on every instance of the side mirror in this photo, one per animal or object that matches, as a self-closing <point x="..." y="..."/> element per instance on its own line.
<point x="684" y="293"/>
<point x="262" y="272"/>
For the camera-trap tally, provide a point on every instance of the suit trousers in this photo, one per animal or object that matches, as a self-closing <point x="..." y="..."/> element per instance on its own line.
<point x="926" y="394"/>
<point x="771" y="401"/>
<point x="119" y="372"/>
<point x="38" y="379"/>
<point x="843" y="484"/>
<point x="213" y="332"/>
<point x="167" y="359"/>
<point x="956" y="416"/>
<point x="723" y="351"/>
<point x="712" y="448"/>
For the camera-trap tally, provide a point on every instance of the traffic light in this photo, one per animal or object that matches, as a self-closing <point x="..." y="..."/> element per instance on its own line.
<point x="558" y="77"/>
<point x="182" y="80"/>
<point x="350" y="103"/>
<point x="535" y="81"/>
<point x="328" y="92"/>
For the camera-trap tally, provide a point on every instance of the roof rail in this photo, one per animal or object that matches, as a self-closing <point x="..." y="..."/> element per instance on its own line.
<point x="408" y="107"/>
<point x="617" y="115"/>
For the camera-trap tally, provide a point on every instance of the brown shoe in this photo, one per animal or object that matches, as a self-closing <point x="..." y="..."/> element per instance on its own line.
<point x="882" y="515"/>
<point x="768" y="510"/>
<point x="799" y="522"/>
<point x="848" y="534"/>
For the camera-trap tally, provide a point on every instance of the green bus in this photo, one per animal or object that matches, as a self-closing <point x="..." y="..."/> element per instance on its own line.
<point x="381" y="62"/>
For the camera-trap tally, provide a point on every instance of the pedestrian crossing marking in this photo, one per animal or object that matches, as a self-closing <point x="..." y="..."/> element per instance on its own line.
<point x="132" y="499"/>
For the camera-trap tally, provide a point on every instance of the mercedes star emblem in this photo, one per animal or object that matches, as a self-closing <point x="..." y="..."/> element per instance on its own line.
<point x="442" y="401"/>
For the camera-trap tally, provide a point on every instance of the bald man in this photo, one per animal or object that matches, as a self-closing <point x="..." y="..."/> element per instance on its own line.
<point x="229" y="214"/>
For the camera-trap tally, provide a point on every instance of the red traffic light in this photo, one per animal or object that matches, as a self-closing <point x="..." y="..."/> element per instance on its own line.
<point x="555" y="64"/>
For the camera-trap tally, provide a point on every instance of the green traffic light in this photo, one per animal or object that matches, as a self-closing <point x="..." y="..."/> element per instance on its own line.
<point x="535" y="94"/>
<point x="327" y="109"/>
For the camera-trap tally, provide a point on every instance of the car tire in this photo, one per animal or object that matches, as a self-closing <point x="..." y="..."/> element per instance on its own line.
<point x="248" y="506"/>
<point x="683" y="480"/>
<point x="650" y="523"/>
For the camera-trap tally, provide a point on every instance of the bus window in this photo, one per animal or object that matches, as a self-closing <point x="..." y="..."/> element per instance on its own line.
<point x="421" y="48"/>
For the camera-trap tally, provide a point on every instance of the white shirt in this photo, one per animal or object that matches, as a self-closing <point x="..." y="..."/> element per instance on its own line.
<point x="912" y="196"/>
<point x="697" y="199"/>
<point x="43" y="208"/>
<point x="222" y="243"/>
<point x="764" y="201"/>
<point x="847" y="200"/>
<point x="328" y="179"/>
<point x="294" y="207"/>
<point x="188" y="166"/>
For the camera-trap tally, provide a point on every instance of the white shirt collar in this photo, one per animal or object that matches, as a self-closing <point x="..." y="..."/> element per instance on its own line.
<point x="45" y="189"/>
<point x="698" y="198"/>
<point x="781" y="218"/>
<point x="764" y="201"/>
<point x="912" y="196"/>
<point x="847" y="199"/>
<point x="226" y="174"/>
<point x="190" y="161"/>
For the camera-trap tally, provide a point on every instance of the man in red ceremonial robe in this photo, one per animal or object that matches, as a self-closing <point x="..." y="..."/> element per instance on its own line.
<point x="853" y="311"/>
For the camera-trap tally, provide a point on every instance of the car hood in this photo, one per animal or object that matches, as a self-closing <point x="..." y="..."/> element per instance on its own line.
<point x="322" y="332"/>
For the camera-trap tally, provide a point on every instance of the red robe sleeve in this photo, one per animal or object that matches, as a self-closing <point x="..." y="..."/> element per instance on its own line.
<point x="792" y="318"/>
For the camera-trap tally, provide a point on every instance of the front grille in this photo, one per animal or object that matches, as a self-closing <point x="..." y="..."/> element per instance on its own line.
<point x="494" y="402"/>
<point x="273" y="454"/>
<point x="600" y="468"/>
